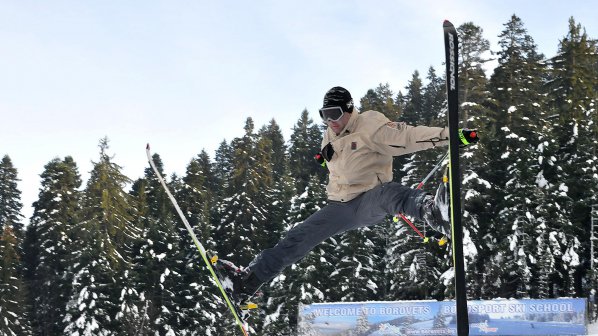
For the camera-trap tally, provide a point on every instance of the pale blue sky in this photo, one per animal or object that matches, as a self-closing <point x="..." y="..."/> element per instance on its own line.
<point x="184" y="75"/>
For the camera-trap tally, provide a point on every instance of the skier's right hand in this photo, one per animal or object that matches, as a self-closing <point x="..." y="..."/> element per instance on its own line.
<point x="320" y="159"/>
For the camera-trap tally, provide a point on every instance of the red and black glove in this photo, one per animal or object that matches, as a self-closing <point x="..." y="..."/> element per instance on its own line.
<point x="468" y="136"/>
<point x="320" y="159"/>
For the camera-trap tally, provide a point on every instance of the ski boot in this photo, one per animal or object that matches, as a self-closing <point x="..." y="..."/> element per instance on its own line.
<point x="435" y="212"/>
<point x="240" y="284"/>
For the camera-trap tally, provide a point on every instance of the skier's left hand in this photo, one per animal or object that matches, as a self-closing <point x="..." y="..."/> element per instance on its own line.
<point x="468" y="136"/>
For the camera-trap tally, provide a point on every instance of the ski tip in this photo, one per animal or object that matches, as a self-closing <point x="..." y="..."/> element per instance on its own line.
<point x="447" y="23"/>
<point x="147" y="146"/>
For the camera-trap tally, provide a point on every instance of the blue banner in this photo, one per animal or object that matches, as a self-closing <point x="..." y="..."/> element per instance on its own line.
<point x="492" y="317"/>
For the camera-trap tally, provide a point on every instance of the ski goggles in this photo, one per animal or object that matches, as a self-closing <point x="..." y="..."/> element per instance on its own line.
<point x="334" y="113"/>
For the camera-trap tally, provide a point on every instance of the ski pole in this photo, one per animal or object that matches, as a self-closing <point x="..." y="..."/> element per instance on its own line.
<point x="419" y="186"/>
<point x="433" y="171"/>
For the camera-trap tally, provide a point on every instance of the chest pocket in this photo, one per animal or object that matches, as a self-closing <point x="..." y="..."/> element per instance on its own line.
<point x="348" y="149"/>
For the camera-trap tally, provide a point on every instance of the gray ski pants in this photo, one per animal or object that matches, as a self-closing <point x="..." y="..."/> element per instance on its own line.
<point x="367" y="209"/>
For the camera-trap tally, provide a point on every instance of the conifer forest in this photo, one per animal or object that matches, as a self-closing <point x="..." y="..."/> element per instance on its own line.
<point x="111" y="256"/>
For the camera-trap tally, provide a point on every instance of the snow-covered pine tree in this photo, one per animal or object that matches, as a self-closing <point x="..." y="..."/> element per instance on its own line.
<point x="516" y="87"/>
<point x="282" y="185"/>
<point x="381" y="99"/>
<point x="243" y="212"/>
<point x="197" y="198"/>
<point x="105" y="237"/>
<point x="305" y="142"/>
<point x="434" y="100"/>
<point x="14" y="317"/>
<point x="223" y="167"/>
<point x="473" y="52"/>
<point x="49" y="244"/>
<point x="573" y="93"/>
<point x="10" y="197"/>
<point x="278" y="159"/>
<point x="545" y="265"/>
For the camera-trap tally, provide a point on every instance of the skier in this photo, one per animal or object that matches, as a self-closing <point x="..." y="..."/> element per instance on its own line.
<point x="358" y="149"/>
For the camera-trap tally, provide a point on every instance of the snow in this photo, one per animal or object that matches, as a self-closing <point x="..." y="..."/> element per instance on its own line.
<point x="273" y="316"/>
<point x="469" y="248"/>
<point x="476" y="177"/>
<point x="164" y="275"/>
<point x="564" y="189"/>
<point x="447" y="276"/>
<point x="571" y="257"/>
<point x="575" y="133"/>
<point x="372" y="285"/>
<point x="161" y="256"/>
<point x="541" y="181"/>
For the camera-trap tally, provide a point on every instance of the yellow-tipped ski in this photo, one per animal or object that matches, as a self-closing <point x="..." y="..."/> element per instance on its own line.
<point x="199" y="246"/>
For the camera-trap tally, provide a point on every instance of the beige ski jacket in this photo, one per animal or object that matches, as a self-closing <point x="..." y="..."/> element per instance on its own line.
<point x="364" y="149"/>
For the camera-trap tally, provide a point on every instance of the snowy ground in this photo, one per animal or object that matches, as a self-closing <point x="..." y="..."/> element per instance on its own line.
<point x="593" y="329"/>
